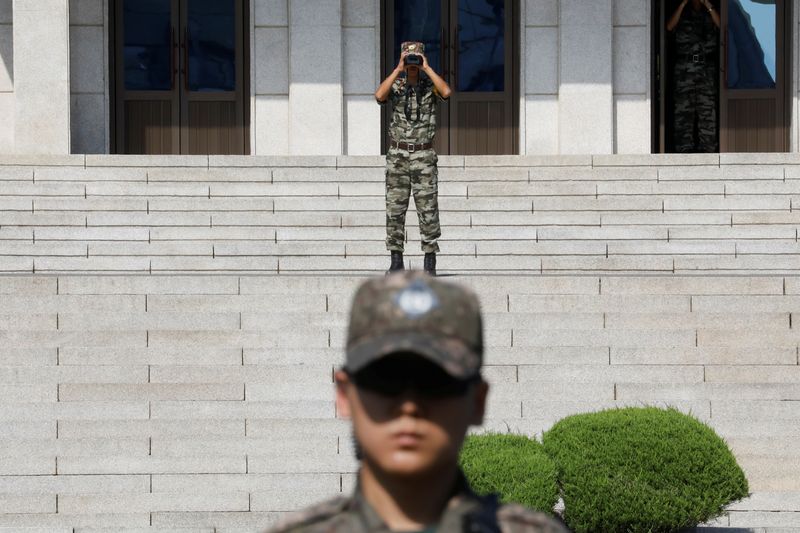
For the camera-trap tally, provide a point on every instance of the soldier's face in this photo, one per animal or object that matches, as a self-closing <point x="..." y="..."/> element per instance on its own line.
<point x="410" y="433"/>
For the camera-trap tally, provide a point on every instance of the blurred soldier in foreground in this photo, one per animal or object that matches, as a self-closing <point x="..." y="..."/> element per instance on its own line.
<point x="696" y="31"/>
<point x="412" y="386"/>
<point x="411" y="160"/>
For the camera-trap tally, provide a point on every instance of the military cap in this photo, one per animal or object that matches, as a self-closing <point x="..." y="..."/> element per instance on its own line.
<point x="411" y="312"/>
<point x="413" y="47"/>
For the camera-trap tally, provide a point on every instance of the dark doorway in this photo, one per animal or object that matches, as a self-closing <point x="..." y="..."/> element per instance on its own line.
<point x="472" y="44"/>
<point x="751" y="63"/>
<point x="179" y="78"/>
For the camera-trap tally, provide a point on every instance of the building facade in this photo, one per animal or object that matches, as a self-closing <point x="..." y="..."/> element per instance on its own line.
<point x="296" y="77"/>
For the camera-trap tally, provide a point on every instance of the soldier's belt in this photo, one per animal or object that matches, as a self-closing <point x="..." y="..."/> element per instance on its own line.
<point x="697" y="58"/>
<point x="410" y="147"/>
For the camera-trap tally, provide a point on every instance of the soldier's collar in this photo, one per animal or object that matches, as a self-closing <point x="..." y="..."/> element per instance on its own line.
<point x="462" y="502"/>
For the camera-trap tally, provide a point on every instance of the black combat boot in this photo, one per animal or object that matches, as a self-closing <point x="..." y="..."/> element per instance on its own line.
<point x="397" y="263"/>
<point x="430" y="263"/>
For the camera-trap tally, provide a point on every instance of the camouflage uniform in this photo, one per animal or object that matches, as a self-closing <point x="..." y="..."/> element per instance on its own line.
<point x="466" y="512"/>
<point x="413" y="120"/>
<point x="696" y="82"/>
<point x="410" y="312"/>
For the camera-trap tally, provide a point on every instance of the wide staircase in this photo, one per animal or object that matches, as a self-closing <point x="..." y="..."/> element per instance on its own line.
<point x="169" y="325"/>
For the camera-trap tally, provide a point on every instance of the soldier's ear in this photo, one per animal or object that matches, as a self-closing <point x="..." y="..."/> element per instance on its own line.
<point x="343" y="385"/>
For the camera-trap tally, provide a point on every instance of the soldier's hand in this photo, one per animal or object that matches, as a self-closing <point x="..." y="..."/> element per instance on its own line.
<point x="424" y="62"/>
<point x="402" y="63"/>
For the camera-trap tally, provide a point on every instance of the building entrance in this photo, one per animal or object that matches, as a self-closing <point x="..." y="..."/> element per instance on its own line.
<point x="179" y="77"/>
<point x="472" y="44"/>
<point x="721" y="79"/>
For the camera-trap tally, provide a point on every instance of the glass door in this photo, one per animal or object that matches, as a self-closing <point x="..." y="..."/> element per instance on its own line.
<point x="753" y="78"/>
<point x="148" y="105"/>
<point x="470" y="43"/>
<point x="481" y="107"/>
<point x="179" y="77"/>
<point x="425" y="21"/>
<point x="212" y="103"/>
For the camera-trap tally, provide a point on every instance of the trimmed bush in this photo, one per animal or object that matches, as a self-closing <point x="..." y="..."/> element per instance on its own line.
<point x="512" y="466"/>
<point x="642" y="470"/>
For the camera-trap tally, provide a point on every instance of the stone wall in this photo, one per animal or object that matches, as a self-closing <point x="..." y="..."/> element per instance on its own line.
<point x="89" y="84"/>
<point x="362" y="116"/>
<point x="632" y="54"/>
<point x="6" y="78"/>
<point x="586" y="77"/>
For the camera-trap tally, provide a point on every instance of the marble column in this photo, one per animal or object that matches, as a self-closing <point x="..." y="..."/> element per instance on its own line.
<point x="41" y="76"/>
<point x="315" y="77"/>
<point x="586" y="99"/>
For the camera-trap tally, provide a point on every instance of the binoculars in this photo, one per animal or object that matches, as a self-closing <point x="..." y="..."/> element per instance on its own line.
<point x="413" y="59"/>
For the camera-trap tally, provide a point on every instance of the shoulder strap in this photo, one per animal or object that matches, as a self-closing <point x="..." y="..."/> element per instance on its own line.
<point x="485" y="518"/>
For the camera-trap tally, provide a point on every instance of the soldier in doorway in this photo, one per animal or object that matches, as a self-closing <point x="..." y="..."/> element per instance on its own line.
<point x="696" y="25"/>
<point x="411" y="160"/>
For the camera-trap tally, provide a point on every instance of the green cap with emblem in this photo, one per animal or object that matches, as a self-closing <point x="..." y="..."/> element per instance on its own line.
<point x="411" y="312"/>
<point x="412" y="47"/>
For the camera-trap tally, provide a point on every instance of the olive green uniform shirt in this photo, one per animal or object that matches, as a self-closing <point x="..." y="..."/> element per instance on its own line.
<point x="413" y="117"/>
<point x="466" y="512"/>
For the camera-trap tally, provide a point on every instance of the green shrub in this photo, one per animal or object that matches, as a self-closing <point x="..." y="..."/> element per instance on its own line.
<point x="641" y="469"/>
<point x="513" y="466"/>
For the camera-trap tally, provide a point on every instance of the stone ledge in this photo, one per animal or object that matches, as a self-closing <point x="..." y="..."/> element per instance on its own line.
<point x="527" y="161"/>
<point x="105" y="160"/>
<point x="655" y="160"/>
<point x="760" y="159"/>
<point x="239" y="161"/>
<point x="35" y="160"/>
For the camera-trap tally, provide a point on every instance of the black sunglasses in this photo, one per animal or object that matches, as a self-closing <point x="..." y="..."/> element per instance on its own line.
<point x="391" y="377"/>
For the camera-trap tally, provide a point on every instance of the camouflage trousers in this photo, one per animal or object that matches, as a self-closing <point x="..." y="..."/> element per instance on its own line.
<point x="695" y="100"/>
<point x="408" y="173"/>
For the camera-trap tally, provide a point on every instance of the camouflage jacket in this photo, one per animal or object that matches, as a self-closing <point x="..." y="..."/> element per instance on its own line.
<point x="465" y="513"/>
<point x="696" y="34"/>
<point x="413" y="111"/>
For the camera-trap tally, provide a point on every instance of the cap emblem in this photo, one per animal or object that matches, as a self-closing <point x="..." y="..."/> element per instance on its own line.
<point x="417" y="299"/>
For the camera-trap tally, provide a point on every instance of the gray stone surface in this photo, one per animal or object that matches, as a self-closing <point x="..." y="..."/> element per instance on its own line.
<point x="630" y="61"/>
<point x="6" y="58"/>
<point x="271" y="60"/>
<point x="146" y="161"/>
<point x="88" y="124"/>
<point x="630" y="13"/>
<point x="7" y="128"/>
<point x="541" y="56"/>
<point x="315" y="101"/>
<point x="6" y="11"/>
<point x="646" y="160"/>
<point x="541" y="13"/>
<point x="541" y="124"/>
<point x="86" y="12"/>
<point x="271" y="125"/>
<point x="271" y="12"/>
<point x="221" y="383"/>
<point x="631" y="132"/>
<point x="361" y="13"/>
<point x="358" y="54"/>
<point x="41" y="77"/>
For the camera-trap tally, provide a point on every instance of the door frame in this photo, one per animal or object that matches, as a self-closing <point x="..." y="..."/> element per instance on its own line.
<point x="782" y="81"/>
<point x="516" y="43"/>
<point x="244" y="77"/>
<point x="784" y="34"/>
